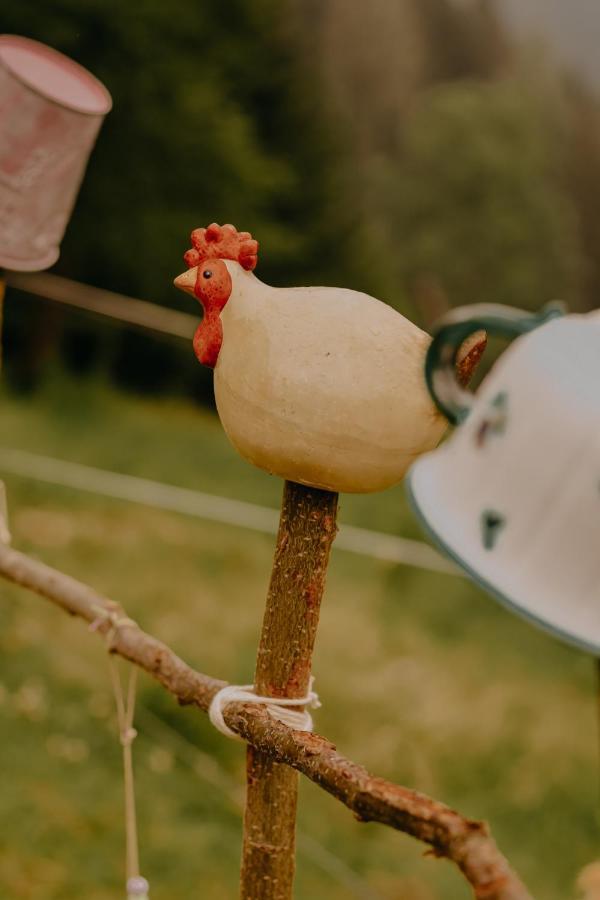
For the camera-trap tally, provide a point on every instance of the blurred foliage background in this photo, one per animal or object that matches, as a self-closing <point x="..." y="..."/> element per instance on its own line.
<point x="413" y="152"/>
<point x="410" y="149"/>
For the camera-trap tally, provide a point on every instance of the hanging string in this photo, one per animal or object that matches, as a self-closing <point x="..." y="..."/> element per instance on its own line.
<point x="5" y="536"/>
<point x="137" y="886"/>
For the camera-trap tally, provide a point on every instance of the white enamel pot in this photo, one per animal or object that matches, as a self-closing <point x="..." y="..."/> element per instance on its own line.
<point x="513" y="496"/>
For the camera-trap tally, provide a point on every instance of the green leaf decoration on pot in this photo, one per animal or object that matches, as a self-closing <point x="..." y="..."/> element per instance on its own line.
<point x="492" y="523"/>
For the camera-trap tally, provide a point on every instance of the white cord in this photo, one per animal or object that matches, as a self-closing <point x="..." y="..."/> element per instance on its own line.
<point x="387" y="547"/>
<point x="137" y="887"/>
<point x="280" y="708"/>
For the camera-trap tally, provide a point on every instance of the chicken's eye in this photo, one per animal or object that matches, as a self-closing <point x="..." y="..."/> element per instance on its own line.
<point x="207" y="273"/>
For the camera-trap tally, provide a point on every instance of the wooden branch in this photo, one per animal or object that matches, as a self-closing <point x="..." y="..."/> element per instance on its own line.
<point x="464" y="841"/>
<point x="307" y="528"/>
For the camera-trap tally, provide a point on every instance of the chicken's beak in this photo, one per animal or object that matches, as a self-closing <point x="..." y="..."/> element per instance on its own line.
<point x="187" y="280"/>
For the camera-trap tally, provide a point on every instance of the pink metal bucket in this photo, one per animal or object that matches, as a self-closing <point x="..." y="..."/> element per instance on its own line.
<point x="51" y="110"/>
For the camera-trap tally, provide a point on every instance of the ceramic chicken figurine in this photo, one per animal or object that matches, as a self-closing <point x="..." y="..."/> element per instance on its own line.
<point x="322" y="386"/>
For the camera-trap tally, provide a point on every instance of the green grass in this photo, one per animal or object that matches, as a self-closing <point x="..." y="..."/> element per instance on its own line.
<point x="422" y="677"/>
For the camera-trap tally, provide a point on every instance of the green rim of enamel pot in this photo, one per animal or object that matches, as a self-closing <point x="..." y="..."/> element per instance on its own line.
<point x="497" y="320"/>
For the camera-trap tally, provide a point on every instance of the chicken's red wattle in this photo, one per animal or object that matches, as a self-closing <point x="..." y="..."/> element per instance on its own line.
<point x="208" y="339"/>
<point x="210" y="246"/>
<point x="213" y="289"/>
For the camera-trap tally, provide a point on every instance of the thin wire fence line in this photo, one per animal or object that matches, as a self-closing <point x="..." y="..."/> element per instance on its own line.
<point x="211" y="507"/>
<point x="84" y="297"/>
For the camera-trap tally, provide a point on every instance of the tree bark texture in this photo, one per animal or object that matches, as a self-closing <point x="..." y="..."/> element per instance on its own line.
<point x="307" y="529"/>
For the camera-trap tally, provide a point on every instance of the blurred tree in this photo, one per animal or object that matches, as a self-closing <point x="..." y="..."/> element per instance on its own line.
<point x="456" y="155"/>
<point x="401" y="152"/>
<point x="582" y="138"/>
<point x="369" y="67"/>
<point x="373" y="70"/>
<point x="464" y="40"/>
<point x="478" y="204"/>
<point x="210" y="122"/>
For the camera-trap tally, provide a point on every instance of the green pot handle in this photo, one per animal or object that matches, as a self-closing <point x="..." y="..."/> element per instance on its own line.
<point x="497" y="320"/>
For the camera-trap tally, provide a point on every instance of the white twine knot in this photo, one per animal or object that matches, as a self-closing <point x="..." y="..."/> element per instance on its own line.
<point x="280" y="708"/>
<point x="113" y="614"/>
<point x="128" y="737"/>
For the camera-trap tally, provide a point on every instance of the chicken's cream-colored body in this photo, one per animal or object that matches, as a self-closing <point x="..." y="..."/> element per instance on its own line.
<point x="323" y="386"/>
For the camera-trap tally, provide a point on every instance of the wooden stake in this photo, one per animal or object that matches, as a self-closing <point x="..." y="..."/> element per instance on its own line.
<point x="597" y="687"/>
<point x="2" y="292"/>
<point x="307" y="528"/>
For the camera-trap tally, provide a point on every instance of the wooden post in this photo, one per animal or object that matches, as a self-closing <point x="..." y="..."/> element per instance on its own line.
<point x="4" y="532"/>
<point x="2" y="292"/>
<point x="307" y="528"/>
<point x="597" y="691"/>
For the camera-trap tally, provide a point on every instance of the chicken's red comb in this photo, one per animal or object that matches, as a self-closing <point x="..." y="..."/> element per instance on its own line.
<point x="222" y="242"/>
